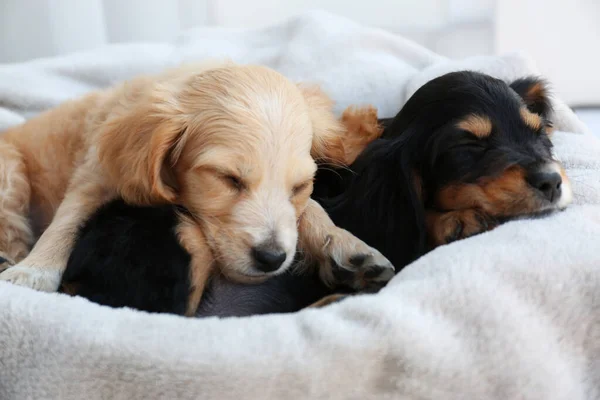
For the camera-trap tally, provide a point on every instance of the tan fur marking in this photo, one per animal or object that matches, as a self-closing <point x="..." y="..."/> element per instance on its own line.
<point x="505" y="195"/>
<point x="467" y="205"/>
<point x="532" y="120"/>
<point x="362" y="128"/>
<point x="478" y="125"/>
<point x="339" y="142"/>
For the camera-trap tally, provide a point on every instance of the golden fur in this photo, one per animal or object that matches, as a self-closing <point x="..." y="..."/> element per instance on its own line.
<point x="233" y="144"/>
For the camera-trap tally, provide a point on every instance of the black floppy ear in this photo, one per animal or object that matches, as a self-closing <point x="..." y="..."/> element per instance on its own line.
<point x="535" y="94"/>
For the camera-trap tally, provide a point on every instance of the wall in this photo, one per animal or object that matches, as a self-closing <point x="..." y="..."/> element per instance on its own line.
<point x="563" y="37"/>
<point x="39" y="28"/>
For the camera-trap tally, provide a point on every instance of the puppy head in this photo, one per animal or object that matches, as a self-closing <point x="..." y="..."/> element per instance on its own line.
<point x="240" y="162"/>
<point x="484" y="144"/>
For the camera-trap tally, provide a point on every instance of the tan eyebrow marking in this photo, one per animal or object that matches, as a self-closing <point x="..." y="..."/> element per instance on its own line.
<point x="478" y="125"/>
<point x="532" y="120"/>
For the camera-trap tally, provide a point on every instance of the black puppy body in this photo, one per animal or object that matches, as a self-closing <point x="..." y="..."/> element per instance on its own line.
<point x="465" y="152"/>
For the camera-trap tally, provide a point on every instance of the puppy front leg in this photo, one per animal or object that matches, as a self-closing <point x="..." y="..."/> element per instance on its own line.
<point x="450" y="226"/>
<point x="42" y="269"/>
<point x="193" y="240"/>
<point x="342" y="258"/>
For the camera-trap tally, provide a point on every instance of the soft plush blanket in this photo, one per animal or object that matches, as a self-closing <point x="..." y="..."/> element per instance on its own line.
<point x="509" y="314"/>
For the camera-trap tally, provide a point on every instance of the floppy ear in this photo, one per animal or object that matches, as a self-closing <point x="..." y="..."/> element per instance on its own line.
<point x="140" y="142"/>
<point x="165" y="148"/>
<point x="339" y="141"/>
<point x="535" y="94"/>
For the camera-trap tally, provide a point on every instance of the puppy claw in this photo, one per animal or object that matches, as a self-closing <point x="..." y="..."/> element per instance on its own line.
<point x="45" y="280"/>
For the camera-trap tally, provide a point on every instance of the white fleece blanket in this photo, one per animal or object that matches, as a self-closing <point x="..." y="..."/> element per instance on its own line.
<point x="509" y="314"/>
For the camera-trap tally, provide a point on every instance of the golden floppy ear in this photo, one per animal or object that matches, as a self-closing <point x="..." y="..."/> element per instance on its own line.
<point x="339" y="141"/>
<point x="140" y="142"/>
<point x="166" y="146"/>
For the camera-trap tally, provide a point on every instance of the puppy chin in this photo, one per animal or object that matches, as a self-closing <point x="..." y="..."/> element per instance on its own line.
<point x="247" y="274"/>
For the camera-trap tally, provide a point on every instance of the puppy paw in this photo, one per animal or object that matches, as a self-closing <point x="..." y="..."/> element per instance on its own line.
<point x="327" y="300"/>
<point x="45" y="280"/>
<point x="449" y="227"/>
<point x="354" y="264"/>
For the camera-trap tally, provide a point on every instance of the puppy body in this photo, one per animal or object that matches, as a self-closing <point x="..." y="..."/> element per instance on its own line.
<point x="234" y="145"/>
<point x="465" y="153"/>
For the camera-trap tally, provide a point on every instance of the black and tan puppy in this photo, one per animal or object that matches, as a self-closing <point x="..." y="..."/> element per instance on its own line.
<point x="465" y="153"/>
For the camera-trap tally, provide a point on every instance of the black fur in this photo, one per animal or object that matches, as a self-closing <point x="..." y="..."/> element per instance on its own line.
<point x="379" y="204"/>
<point x="129" y="256"/>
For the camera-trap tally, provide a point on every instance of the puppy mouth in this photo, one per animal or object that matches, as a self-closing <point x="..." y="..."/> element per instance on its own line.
<point x="543" y="212"/>
<point x="546" y="207"/>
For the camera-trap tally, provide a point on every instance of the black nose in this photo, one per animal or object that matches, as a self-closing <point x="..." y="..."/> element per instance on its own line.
<point x="548" y="183"/>
<point x="268" y="259"/>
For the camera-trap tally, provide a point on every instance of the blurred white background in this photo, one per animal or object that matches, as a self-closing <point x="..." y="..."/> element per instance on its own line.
<point x="563" y="37"/>
<point x="35" y="28"/>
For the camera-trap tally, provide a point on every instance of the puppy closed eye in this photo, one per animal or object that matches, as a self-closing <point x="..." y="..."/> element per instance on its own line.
<point x="234" y="182"/>
<point x="301" y="187"/>
<point x="468" y="143"/>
